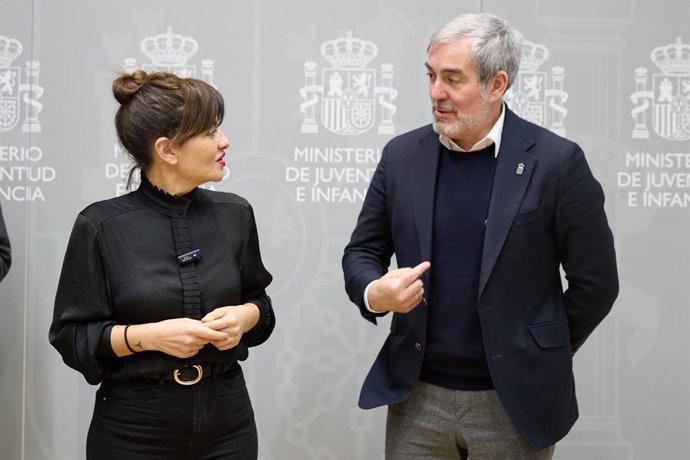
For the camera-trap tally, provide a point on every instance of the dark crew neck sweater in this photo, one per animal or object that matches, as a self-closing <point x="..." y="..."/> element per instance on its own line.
<point x="454" y="356"/>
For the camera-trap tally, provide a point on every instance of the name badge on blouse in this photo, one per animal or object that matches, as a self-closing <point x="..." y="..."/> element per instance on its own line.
<point x="189" y="257"/>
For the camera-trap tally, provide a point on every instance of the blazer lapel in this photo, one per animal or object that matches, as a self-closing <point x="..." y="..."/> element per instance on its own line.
<point x="514" y="168"/>
<point x="423" y="162"/>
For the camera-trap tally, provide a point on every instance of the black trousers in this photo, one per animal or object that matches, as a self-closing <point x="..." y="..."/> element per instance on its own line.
<point x="146" y="419"/>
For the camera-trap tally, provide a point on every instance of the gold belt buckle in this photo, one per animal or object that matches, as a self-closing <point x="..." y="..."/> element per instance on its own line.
<point x="199" y="374"/>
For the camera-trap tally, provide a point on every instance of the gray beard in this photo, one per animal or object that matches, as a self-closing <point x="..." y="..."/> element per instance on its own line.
<point x="463" y="124"/>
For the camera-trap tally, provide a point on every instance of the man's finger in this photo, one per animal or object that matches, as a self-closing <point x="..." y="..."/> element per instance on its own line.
<point x="416" y="272"/>
<point x="415" y="287"/>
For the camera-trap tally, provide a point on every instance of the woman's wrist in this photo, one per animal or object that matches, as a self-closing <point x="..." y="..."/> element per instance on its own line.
<point x="127" y="344"/>
<point x="128" y="339"/>
<point x="252" y="315"/>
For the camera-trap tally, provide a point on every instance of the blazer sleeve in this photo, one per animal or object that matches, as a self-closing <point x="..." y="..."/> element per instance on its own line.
<point x="5" y="249"/>
<point x="368" y="254"/>
<point x="255" y="279"/>
<point x="586" y="248"/>
<point x="82" y="315"/>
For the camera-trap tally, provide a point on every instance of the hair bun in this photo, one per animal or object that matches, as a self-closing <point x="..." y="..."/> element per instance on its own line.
<point x="127" y="85"/>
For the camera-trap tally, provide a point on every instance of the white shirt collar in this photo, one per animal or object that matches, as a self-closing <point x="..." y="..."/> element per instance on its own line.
<point x="493" y="137"/>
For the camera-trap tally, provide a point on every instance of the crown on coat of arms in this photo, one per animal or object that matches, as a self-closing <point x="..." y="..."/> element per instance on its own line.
<point x="348" y="52"/>
<point x="169" y="48"/>
<point x="673" y="58"/>
<point x="533" y="56"/>
<point x="9" y="50"/>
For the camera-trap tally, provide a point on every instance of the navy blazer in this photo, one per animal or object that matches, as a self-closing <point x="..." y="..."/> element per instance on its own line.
<point x="546" y="210"/>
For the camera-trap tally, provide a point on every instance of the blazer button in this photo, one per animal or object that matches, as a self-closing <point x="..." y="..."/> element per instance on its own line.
<point x="418" y="346"/>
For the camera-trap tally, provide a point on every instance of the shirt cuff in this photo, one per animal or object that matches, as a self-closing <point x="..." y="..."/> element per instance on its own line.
<point x="105" y="349"/>
<point x="366" y="299"/>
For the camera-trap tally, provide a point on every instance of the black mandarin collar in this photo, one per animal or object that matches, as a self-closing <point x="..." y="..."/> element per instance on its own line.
<point x="163" y="202"/>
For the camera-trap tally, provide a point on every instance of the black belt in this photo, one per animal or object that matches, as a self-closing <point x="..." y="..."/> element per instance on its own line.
<point x="192" y="374"/>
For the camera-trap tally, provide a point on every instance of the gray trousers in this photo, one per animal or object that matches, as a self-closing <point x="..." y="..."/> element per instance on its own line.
<point x="438" y="423"/>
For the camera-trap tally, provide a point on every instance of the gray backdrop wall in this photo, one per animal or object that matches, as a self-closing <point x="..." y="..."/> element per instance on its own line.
<point x="613" y="75"/>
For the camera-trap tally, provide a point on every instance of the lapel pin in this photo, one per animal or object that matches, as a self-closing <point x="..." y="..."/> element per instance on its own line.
<point x="520" y="169"/>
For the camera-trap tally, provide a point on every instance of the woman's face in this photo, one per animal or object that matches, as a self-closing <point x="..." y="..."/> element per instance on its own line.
<point x="201" y="158"/>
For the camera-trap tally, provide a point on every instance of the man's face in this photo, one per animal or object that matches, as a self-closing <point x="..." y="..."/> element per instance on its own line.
<point x="460" y="105"/>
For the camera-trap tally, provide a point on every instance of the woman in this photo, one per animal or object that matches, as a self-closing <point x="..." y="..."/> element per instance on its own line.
<point x="162" y="290"/>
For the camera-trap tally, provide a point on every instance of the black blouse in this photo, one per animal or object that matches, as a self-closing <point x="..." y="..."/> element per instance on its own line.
<point x="122" y="267"/>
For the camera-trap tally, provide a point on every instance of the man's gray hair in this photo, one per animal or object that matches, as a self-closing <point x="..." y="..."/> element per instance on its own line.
<point x="495" y="46"/>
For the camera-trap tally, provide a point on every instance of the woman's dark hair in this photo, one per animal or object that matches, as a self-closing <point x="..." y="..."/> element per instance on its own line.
<point x="161" y="104"/>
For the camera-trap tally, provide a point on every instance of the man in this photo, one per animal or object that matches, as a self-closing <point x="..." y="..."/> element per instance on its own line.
<point x="5" y="249"/>
<point x="480" y="209"/>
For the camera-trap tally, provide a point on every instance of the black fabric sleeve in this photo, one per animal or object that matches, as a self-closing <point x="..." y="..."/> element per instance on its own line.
<point x="5" y="249"/>
<point x="368" y="254"/>
<point x="586" y="249"/>
<point x="82" y="315"/>
<point x="255" y="279"/>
